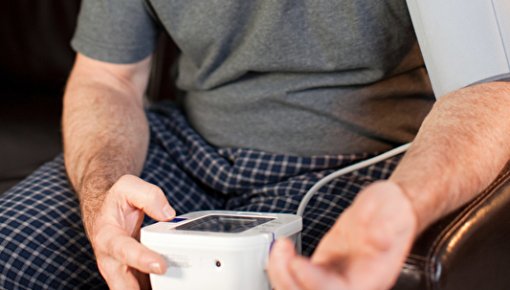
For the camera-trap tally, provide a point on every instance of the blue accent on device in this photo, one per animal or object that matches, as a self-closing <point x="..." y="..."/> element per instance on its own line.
<point x="177" y="220"/>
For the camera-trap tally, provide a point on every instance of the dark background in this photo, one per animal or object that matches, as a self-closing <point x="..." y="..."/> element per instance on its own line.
<point x="35" y="61"/>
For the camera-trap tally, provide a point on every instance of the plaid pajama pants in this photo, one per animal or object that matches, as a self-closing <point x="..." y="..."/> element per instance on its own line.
<point x="42" y="241"/>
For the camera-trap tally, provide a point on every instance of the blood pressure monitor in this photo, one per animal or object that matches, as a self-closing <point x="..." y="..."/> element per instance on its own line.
<point x="222" y="250"/>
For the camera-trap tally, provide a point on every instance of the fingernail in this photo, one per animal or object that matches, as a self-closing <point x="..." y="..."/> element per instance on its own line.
<point x="156" y="268"/>
<point x="168" y="211"/>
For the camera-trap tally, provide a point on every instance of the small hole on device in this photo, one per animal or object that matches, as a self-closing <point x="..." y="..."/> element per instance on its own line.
<point x="218" y="263"/>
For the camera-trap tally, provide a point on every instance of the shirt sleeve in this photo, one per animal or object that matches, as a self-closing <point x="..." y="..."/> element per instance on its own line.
<point x="116" y="31"/>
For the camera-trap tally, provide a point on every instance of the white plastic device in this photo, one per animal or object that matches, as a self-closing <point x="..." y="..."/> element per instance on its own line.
<point x="228" y="250"/>
<point x="463" y="42"/>
<point x="217" y="250"/>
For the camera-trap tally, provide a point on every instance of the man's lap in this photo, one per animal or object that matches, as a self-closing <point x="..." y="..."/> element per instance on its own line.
<point x="42" y="234"/>
<point x="42" y="240"/>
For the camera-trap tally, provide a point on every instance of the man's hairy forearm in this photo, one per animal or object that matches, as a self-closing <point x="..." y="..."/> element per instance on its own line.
<point x="105" y="136"/>
<point x="461" y="147"/>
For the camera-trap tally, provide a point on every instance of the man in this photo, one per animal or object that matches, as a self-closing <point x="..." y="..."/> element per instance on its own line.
<point x="277" y="94"/>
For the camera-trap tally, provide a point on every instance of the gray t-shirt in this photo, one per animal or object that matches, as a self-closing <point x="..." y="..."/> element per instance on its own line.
<point x="308" y="77"/>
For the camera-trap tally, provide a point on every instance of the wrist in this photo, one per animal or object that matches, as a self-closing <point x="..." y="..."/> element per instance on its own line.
<point x="421" y="215"/>
<point x="406" y="204"/>
<point x="91" y="194"/>
<point x="384" y="210"/>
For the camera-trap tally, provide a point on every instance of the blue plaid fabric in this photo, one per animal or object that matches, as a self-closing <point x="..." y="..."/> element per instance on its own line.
<point x="42" y="241"/>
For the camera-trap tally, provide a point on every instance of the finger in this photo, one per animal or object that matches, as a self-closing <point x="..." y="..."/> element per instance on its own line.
<point x="278" y="266"/>
<point x="116" y="275"/>
<point x="130" y="252"/>
<point x="310" y="277"/>
<point x="145" y="196"/>
<point x="335" y="245"/>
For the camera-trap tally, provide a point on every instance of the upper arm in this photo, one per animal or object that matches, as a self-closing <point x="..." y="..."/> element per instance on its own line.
<point x="114" y="40"/>
<point x="131" y="78"/>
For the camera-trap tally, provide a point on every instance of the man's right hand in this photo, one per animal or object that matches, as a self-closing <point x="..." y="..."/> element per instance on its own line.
<point x="106" y="135"/>
<point x="115" y="231"/>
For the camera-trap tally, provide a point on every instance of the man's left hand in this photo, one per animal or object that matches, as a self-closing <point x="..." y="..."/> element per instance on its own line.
<point x="364" y="250"/>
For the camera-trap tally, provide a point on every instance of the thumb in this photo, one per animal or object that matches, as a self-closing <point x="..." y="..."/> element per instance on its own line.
<point x="308" y="276"/>
<point x="144" y="196"/>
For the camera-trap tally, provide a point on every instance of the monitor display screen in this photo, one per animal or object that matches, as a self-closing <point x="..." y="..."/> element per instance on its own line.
<point x="224" y="223"/>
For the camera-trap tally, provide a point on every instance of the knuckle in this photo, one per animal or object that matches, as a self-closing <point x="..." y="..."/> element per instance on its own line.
<point x="103" y="241"/>
<point x="121" y="255"/>
<point x="112" y="248"/>
<point x="139" y="260"/>
<point x="153" y="194"/>
<point x="100" y="243"/>
<point x="120" y="251"/>
<point x="155" y="191"/>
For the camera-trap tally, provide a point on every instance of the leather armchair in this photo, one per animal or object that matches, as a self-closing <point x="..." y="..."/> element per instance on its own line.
<point x="468" y="249"/>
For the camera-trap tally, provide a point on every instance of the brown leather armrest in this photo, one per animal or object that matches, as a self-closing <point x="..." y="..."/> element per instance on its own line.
<point x="468" y="249"/>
